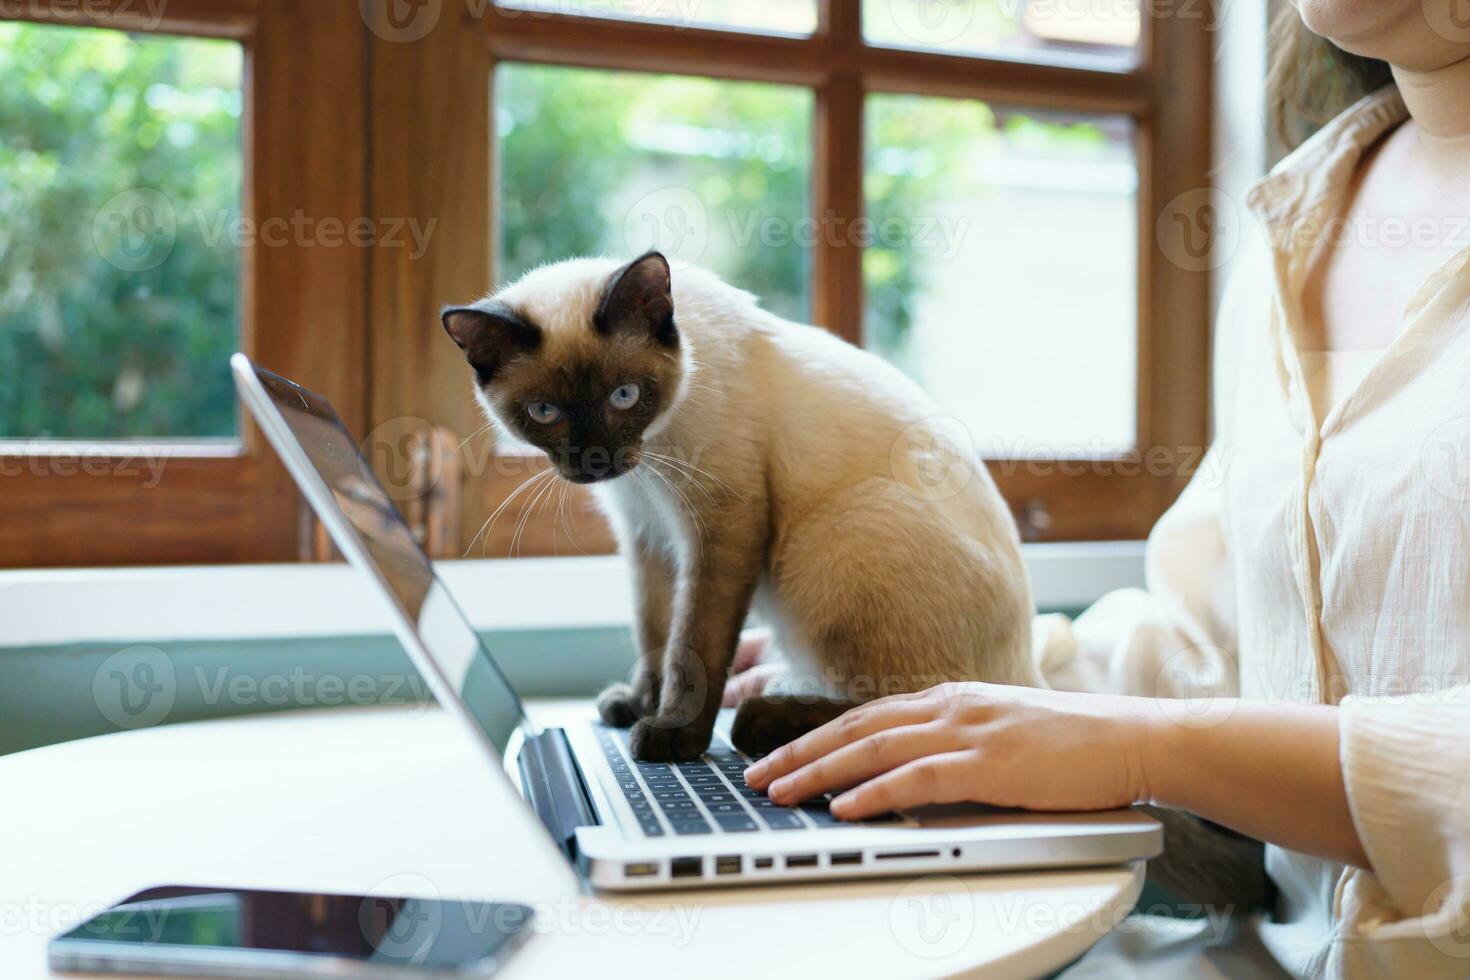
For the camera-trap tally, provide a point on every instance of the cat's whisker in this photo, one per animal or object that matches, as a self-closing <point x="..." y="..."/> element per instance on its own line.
<point x="467" y="438"/>
<point x="522" y="517"/>
<point x="706" y="474"/>
<point x="545" y="499"/>
<point x="702" y="529"/>
<point x="490" y="521"/>
<point x="543" y="475"/>
<point x="683" y="474"/>
<point x="566" y="519"/>
<point x="696" y="384"/>
<point x="560" y="516"/>
<point x="527" y="511"/>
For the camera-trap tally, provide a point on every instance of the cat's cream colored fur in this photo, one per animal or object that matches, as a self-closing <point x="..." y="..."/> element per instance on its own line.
<point x="809" y="479"/>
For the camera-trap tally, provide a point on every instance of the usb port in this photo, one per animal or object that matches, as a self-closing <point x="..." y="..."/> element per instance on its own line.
<point x="846" y="857"/>
<point x="764" y="863"/>
<point x="801" y="861"/>
<point x="686" y="867"/>
<point x="638" y="870"/>
<point x="727" y="865"/>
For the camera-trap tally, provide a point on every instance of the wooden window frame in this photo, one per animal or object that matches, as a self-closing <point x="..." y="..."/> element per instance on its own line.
<point x="74" y="503"/>
<point x="343" y="120"/>
<point x="1114" y="497"/>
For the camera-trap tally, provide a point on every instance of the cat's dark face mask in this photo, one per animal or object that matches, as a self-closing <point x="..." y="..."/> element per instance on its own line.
<point x="588" y="402"/>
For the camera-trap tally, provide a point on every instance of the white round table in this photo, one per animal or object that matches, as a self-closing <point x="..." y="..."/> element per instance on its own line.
<point x="396" y="801"/>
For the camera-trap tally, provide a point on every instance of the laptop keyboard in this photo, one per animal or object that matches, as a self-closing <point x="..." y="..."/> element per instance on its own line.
<point x="707" y="795"/>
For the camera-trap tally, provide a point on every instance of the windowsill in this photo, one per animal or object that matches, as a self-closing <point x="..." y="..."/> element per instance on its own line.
<point x="42" y="606"/>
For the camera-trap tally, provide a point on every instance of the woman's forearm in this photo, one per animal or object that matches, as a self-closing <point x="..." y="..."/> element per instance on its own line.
<point x="1270" y="771"/>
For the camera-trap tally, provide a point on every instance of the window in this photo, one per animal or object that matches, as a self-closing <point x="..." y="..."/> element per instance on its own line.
<point x="773" y="16"/>
<point x="708" y="171"/>
<point x="982" y="177"/>
<point x="166" y="190"/>
<point x="980" y="212"/>
<point x="969" y="188"/>
<point x="1106" y="31"/>
<point x="120" y="284"/>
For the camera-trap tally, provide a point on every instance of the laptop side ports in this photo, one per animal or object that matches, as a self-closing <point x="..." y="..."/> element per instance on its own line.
<point x="686" y="867"/>
<point x="728" y="865"/>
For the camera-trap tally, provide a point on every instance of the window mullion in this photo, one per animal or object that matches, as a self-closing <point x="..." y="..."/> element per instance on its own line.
<point x="837" y="200"/>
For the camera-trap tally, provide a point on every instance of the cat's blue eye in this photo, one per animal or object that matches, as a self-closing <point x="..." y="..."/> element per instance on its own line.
<point x="543" y="413"/>
<point x="623" y="397"/>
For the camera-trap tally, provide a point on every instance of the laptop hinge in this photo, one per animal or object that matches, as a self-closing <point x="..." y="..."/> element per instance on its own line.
<point x="555" y="788"/>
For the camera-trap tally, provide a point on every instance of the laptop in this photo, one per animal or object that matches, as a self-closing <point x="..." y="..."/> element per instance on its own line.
<point x="626" y="824"/>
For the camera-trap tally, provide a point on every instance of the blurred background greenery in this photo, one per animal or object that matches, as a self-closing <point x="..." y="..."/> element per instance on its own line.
<point x="120" y="177"/>
<point x="715" y="172"/>
<point x="117" y="313"/>
<point x="614" y="163"/>
<point x="974" y="214"/>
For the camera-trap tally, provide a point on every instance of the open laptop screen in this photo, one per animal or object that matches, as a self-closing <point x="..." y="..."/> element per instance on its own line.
<point x="357" y="512"/>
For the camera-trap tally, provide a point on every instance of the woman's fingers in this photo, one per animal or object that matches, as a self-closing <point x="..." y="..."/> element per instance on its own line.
<point x="748" y="683"/>
<point x="943" y="778"/>
<point x="858" y="723"/>
<point x="861" y="760"/>
<point x="749" y="650"/>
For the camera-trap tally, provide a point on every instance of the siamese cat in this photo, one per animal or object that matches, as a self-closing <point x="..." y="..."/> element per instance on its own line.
<point x="747" y="462"/>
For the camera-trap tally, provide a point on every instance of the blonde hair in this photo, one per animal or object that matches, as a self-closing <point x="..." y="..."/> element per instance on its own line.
<point x="1311" y="79"/>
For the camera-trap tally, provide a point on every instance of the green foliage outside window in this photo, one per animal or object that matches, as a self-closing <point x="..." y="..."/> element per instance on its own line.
<point x="119" y="300"/>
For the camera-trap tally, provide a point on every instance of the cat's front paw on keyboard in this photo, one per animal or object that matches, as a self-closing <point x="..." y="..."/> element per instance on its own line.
<point x="620" y="706"/>
<point x="664" y="740"/>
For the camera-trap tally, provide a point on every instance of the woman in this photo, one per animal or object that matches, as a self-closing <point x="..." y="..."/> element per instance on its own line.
<point x="1318" y="565"/>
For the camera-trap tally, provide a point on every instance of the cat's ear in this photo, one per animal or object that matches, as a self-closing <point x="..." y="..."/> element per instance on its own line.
<point x="640" y="299"/>
<point x="490" y="333"/>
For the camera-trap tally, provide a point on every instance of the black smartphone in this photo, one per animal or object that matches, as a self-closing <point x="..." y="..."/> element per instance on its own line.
<point x="183" y="930"/>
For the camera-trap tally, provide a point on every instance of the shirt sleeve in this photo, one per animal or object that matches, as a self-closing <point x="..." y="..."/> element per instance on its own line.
<point x="1170" y="639"/>
<point x="1406" y="766"/>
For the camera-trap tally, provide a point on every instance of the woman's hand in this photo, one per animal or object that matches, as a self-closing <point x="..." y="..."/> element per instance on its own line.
<point x="1270" y="771"/>
<point x="984" y="743"/>
<point x="749" y="673"/>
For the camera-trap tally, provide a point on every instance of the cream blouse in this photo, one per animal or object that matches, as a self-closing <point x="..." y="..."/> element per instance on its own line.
<point x="1326" y="562"/>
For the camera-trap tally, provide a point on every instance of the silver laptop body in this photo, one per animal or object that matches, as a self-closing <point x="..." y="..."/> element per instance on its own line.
<point x="624" y="824"/>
